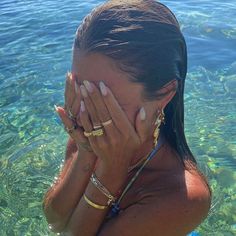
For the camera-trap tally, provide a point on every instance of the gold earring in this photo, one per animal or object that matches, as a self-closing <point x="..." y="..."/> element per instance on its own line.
<point x="159" y="120"/>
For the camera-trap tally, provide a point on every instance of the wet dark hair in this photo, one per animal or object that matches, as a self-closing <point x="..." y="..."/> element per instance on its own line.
<point x="144" y="38"/>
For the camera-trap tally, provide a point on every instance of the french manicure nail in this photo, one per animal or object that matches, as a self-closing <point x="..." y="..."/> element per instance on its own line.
<point x="88" y="86"/>
<point x="83" y="91"/>
<point x="82" y="107"/>
<point x="68" y="74"/>
<point x="56" y="108"/>
<point x="142" y="114"/>
<point x="103" y="88"/>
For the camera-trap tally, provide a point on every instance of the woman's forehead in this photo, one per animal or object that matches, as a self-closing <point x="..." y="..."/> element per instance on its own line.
<point x="97" y="67"/>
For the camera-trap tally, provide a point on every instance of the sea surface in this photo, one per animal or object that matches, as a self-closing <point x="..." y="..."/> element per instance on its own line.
<point x="35" y="53"/>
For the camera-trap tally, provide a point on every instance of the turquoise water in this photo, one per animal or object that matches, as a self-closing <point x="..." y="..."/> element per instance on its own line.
<point x="35" y="53"/>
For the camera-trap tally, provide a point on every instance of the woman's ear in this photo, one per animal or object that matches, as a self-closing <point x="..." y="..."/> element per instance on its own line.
<point x="166" y="93"/>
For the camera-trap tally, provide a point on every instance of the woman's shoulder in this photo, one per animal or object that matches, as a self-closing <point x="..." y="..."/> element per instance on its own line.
<point x="197" y="191"/>
<point x="166" y="205"/>
<point x="185" y="195"/>
<point x="174" y="177"/>
<point x="190" y="184"/>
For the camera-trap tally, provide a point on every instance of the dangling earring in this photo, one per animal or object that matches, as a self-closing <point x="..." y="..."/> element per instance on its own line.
<point x="159" y="120"/>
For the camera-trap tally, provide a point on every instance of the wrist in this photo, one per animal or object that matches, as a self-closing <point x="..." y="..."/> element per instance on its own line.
<point x="82" y="152"/>
<point x="84" y="146"/>
<point x="112" y="178"/>
<point x="86" y="161"/>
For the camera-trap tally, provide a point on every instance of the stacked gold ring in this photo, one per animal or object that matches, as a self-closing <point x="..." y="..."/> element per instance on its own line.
<point x="97" y="126"/>
<point x="87" y="134"/>
<point x="107" y="122"/>
<point x="97" y="132"/>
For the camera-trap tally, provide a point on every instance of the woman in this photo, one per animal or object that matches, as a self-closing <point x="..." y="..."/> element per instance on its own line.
<point x="128" y="169"/>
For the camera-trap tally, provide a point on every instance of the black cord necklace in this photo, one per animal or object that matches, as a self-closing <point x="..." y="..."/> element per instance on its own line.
<point x="115" y="206"/>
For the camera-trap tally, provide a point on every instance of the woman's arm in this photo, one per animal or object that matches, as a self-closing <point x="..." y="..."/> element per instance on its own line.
<point x="86" y="220"/>
<point x="115" y="148"/>
<point x="167" y="213"/>
<point x="61" y="199"/>
<point x="176" y="213"/>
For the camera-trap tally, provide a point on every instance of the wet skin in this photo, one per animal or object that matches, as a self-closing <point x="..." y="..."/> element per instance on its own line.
<point x="163" y="178"/>
<point x="172" y="200"/>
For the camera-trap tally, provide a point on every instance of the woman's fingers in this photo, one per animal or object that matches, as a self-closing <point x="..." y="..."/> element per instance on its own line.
<point x="75" y="132"/>
<point x="72" y="98"/>
<point x="75" y="107"/>
<point x="102" y="105"/>
<point x="86" y="123"/>
<point x="96" y="107"/>
<point x="96" y="98"/>
<point x="117" y="114"/>
<point x="69" y="91"/>
<point x="90" y="106"/>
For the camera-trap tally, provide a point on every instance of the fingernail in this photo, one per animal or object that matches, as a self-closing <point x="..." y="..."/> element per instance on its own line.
<point x="88" y="86"/>
<point x="83" y="91"/>
<point x="142" y="114"/>
<point x="82" y="107"/>
<point x="103" y="88"/>
<point x="68" y="74"/>
<point x="56" y="108"/>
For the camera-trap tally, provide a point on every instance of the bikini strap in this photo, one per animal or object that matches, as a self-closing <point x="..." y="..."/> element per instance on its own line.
<point x="115" y="206"/>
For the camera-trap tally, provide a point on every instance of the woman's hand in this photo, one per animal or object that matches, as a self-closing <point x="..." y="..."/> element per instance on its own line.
<point x="69" y="114"/>
<point x="116" y="146"/>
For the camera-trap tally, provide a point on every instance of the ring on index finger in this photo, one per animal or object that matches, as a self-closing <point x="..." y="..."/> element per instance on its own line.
<point x="71" y="116"/>
<point x="70" y="130"/>
<point x="98" y="132"/>
<point x="87" y="134"/>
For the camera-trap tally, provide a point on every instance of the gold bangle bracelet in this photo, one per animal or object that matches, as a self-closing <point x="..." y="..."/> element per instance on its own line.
<point x="101" y="207"/>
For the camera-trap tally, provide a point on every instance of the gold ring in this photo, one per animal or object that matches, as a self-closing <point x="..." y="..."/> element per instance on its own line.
<point x="71" y="116"/>
<point x="107" y="122"/>
<point x="97" y="126"/>
<point x="70" y="130"/>
<point x="98" y="132"/>
<point x="87" y="134"/>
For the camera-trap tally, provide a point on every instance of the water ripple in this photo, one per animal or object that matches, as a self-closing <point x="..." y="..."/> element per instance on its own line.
<point x="35" y="53"/>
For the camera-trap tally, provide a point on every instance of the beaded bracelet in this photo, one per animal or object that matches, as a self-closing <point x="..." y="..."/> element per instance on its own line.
<point x="102" y="188"/>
